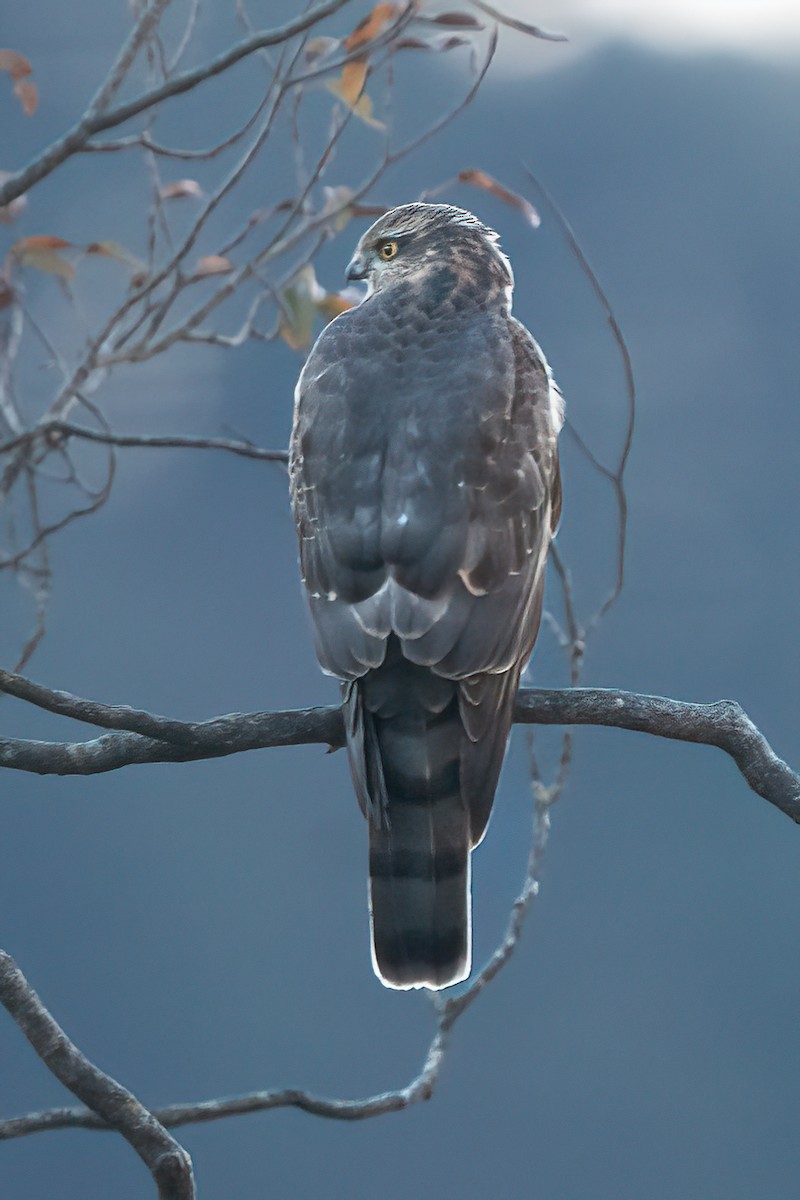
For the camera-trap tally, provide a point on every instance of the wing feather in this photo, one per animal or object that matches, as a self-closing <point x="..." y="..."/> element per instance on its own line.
<point x="431" y="525"/>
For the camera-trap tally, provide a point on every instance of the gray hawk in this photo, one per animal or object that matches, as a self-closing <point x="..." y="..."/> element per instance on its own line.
<point x="425" y="486"/>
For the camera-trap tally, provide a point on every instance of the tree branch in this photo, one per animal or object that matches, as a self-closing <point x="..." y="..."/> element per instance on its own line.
<point x="113" y="1105"/>
<point x="146" y="737"/>
<point x="51" y="431"/>
<point x="95" y="120"/>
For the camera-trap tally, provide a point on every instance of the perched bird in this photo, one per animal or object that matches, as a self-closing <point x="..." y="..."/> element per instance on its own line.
<point x="425" y="486"/>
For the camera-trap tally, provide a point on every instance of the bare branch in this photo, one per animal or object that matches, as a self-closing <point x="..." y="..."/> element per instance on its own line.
<point x="419" y="1089"/>
<point x="521" y="26"/>
<point x="723" y="724"/>
<point x="111" y="1103"/>
<point x="616" y="477"/>
<point x="65" y="429"/>
<point x="96" y="121"/>
<point x="142" y="31"/>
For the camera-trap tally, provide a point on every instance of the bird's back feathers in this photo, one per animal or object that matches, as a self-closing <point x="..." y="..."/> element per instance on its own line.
<point x="425" y="488"/>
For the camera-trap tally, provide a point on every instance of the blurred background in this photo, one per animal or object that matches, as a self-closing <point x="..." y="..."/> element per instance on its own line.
<point x="201" y="929"/>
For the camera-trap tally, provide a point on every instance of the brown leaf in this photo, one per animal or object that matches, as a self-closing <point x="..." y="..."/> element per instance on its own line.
<point x="9" y="212"/>
<point x="370" y="26"/>
<point x="440" y="43"/>
<point x="41" y="252"/>
<point x="319" y="47"/>
<point x="351" y="83"/>
<point x="334" y="303"/>
<point x="16" y="64"/>
<point x="303" y="302"/>
<point x="299" y="308"/>
<point x="28" y="95"/>
<point x="41" y="241"/>
<point x="19" y="69"/>
<point x="349" y="88"/>
<point x="213" y="264"/>
<point x="457" y="20"/>
<point x="500" y="192"/>
<point x="180" y="189"/>
<point x="117" y="252"/>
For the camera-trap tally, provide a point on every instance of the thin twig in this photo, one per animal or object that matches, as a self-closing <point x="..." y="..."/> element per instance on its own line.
<point x="96" y="121"/>
<point x="66" y="429"/>
<point x="616" y="477"/>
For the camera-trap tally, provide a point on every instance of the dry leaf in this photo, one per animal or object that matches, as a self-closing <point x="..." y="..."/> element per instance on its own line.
<point x="457" y="20"/>
<point x="27" y="93"/>
<point x="302" y="302"/>
<point x="500" y="192"/>
<point x="180" y="189"/>
<point x="42" y="241"/>
<point x="370" y="26"/>
<point x="351" y="83"/>
<point x="117" y="252"/>
<point x="363" y="109"/>
<point x="438" y="42"/>
<point x="213" y="264"/>
<point x="334" y="303"/>
<point x="318" y="48"/>
<point x="41" y="252"/>
<point x="299" y="308"/>
<point x="338" y="201"/>
<point x="19" y="69"/>
<point x="16" y="64"/>
<point x="349" y="88"/>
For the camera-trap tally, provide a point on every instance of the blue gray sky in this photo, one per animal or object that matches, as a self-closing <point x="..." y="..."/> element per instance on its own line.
<point x="201" y="929"/>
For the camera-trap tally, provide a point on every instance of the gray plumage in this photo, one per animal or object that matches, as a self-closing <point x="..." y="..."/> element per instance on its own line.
<point x="425" y="487"/>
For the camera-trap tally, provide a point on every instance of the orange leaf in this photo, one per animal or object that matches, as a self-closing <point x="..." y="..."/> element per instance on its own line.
<point x="180" y="189"/>
<point x="40" y="241"/>
<point x="19" y="69"/>
<point x="331" y="305"/>
<point x="351" y="84"/>
<point x="16" y="64"/>
<point x="349" y="88"/>
<point x="213" y="264"/>
<point x="489" y="184"/>
<point x="27" y="94"/>
<point x="370" y="26"/>
<point x="40" y="251"/>
<point x="117" y="252"/>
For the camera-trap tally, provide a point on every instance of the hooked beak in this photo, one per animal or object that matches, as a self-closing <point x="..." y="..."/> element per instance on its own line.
<point x="357" y="267"/>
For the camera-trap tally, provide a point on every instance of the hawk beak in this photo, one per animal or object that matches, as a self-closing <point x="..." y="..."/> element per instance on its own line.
<point x="357" y="268"/>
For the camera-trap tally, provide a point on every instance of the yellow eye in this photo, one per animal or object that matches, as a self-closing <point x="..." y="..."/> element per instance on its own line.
<point x="387" y="250"/>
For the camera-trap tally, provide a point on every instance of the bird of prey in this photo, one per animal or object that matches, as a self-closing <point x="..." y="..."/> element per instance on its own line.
<point x="426" y="490"/>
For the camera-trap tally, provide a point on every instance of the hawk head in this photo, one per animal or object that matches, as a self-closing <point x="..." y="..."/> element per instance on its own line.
<point x="432" y="245"/>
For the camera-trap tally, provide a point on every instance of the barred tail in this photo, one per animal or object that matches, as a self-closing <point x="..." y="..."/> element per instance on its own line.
<point x="405" y="744"/>
<point x="419" y="859"/>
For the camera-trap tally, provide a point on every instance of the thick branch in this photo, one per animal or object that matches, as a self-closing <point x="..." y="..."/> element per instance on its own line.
<point x="114" y="1106"/>
<point x="150" y="738"/>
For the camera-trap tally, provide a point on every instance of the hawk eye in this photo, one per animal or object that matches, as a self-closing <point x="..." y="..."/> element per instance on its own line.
<point x="387" y="250"/>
